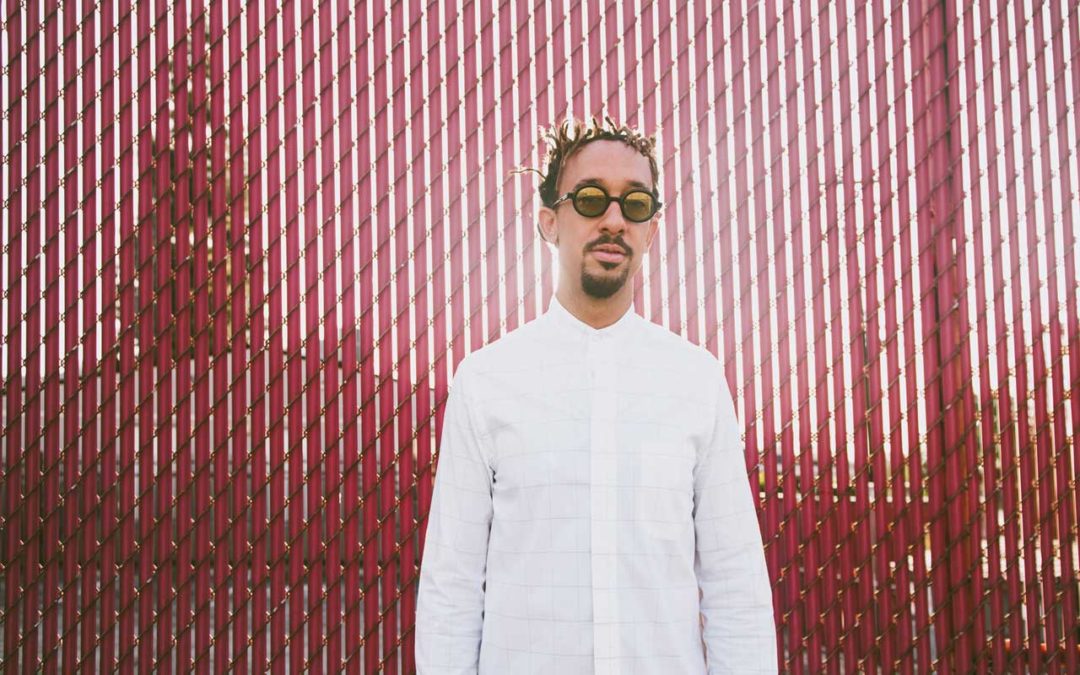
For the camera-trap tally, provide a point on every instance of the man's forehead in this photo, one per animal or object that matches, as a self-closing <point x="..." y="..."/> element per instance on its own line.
<point x="607" y="162"/>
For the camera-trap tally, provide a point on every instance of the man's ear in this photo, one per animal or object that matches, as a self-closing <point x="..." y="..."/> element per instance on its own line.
<point x="549" y="232"/>
<point x="654" y="225"/>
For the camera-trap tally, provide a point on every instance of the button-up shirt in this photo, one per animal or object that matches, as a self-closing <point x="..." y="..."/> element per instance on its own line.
<point x="592" y="511"/>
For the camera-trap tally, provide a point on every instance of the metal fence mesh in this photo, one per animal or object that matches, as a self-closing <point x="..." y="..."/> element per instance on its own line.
<point x="244" y="246"/>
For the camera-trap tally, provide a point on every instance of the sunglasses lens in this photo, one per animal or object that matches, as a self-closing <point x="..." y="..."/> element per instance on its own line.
<point x="591" y="201"/>
<point x="638" y="206"/>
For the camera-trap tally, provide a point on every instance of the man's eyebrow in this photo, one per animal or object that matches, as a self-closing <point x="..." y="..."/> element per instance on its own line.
<point x="600" y="181"/>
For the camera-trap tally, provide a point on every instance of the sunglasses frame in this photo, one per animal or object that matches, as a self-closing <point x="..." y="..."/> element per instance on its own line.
<point x="572" y="196"/>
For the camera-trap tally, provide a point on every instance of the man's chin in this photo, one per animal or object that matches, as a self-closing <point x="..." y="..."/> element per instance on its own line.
<point x="602" y="285"/>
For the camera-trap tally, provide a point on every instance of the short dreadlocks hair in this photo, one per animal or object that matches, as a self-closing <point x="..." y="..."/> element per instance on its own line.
<point x="566" y="138"/>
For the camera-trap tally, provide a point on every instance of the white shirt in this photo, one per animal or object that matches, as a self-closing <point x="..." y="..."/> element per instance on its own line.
<point x="592" y="511"/>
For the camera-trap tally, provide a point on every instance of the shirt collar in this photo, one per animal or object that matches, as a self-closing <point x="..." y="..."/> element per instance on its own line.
<point x="562" y="318"/>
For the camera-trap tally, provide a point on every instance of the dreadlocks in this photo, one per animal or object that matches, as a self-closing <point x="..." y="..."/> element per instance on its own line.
<point x="565" y="138"/>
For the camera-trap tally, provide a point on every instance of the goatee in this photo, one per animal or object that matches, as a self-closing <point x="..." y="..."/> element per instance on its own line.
<point x="602" y="287"/>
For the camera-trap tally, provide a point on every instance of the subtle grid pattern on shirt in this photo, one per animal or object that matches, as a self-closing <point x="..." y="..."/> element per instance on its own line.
<point x="592" y="511"/>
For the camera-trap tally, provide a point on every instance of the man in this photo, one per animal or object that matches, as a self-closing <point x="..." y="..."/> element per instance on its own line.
<point x="592" y="511"/>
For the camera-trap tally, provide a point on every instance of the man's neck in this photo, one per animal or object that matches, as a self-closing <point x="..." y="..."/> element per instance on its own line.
<point x="594" y="311"/>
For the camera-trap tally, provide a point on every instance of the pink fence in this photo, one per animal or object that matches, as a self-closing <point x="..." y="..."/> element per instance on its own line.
<point x="245" y="245"/>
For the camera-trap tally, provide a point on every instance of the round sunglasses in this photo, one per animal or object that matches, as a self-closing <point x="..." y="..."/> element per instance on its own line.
<point x="637" y="206"/>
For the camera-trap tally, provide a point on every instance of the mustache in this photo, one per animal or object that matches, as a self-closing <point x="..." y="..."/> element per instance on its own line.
<point x="609" y="241"/>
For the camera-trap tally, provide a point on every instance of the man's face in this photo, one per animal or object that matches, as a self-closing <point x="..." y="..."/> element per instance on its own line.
<point x="600" y="254"/>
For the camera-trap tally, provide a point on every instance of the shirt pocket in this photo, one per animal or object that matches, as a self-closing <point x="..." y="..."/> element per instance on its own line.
<point x="664" y="492"/>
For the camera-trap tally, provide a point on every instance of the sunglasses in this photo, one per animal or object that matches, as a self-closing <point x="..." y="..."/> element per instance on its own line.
<point x="637" y="206"/>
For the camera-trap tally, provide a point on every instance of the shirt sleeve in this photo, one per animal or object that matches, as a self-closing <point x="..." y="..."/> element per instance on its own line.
<point x="739" y="630"/>
<point x="450" y="603"/>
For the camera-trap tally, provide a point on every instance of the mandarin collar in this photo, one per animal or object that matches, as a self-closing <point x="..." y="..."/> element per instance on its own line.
<point x="561" y="317"/>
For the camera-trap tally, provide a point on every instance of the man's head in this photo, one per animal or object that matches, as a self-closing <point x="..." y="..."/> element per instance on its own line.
<point x="600" y="248"/>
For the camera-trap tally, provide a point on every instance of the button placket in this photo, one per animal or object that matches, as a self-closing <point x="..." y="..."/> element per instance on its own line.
<point x="603" y="498"/>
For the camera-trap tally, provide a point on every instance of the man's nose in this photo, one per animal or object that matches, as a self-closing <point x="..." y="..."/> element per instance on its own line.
<point x="612" y="218"/>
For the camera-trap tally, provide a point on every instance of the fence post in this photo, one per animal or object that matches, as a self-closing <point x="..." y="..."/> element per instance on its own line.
<point x="946" y="363"/>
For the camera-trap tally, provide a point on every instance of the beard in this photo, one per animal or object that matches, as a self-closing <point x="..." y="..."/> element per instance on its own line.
<point x="603" y="286"/>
